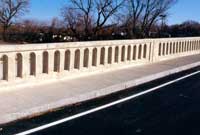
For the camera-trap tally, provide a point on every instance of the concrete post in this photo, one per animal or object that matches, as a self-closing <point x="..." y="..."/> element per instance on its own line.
<point x="126" y="53"/>
<point x="90" y="58"/>
<point x="72" y="57"/>
<point x="51" y="62"/>
<point x="148" y="52"/>
<point x="155" y="47"/>
<point x="38" y="63"/>
<point x="26" y="65"/>
<point x="142" y="51"/>
<point x="62" y="60"/>
<point x="106" y="56"/>
<point x="120" y="55"/>
<point x="113" y="55"/>
<point x="11" y="66"/>
<point x="137" y="52"/>
<point x="81" y="58"/>
<point x="131" y="54"/>
<point x="98" y="56"/>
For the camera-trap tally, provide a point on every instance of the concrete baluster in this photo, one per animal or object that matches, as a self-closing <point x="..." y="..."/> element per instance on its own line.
<point x="11" y="67"/>
<point x="72" y="57"/>
<point x="62" y="60"/>
<point x="106" y="56"/>
<point x="25" y="65"/>
<point x="120" y="54"/>
<point x="51" y="62"/>
<point x="98" y="56"/>
<point x="39" y="63"/>
<point x="90" y="58"/>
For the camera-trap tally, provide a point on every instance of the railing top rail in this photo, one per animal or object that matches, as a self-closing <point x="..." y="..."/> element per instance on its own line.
<point x="177" y="39"/>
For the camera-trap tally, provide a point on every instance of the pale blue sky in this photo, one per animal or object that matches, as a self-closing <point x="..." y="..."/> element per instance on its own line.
<point x="47" y="9"/>
<point x="185" y="10"/>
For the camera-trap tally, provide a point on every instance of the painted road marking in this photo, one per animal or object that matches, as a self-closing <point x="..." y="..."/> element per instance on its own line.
<point x="104" y="106"/>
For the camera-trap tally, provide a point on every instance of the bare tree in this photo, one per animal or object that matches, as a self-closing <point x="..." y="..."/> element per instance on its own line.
<point x="135" y="9"/>
<point x="145" y="13"/>
<point x="91" y="15"/>
<point x="78" y="17"/>
<point x="154" y="9"/>
<point x="105" y="10"/>
<point x="10" y="10"/>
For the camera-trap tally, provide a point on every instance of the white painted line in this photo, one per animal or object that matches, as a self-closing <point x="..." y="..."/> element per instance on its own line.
<point x="103" y="106"/>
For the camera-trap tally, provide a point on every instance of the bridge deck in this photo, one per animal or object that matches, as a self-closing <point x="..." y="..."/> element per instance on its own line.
<point x="26" y="101"/>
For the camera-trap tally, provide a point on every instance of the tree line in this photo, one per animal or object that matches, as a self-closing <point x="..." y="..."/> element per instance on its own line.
<point x="83" y="20"/>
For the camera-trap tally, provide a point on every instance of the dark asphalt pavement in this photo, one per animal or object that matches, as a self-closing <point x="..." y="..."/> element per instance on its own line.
<point x="172" y="110"/>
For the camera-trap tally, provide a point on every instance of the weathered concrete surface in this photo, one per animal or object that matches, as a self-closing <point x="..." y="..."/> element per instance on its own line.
<point x="36" y="63"/>
<point x="26" y="101"/>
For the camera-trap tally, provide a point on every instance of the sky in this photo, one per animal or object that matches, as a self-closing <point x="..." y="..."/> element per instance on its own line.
<point x="44" y="9"/>
<point x="47" y="9"/>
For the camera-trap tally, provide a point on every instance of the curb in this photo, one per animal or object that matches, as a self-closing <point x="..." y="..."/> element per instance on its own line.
<point x="92" y="95"/>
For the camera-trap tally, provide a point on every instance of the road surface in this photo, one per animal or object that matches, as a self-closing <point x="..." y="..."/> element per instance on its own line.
<point x="172" y="110"/>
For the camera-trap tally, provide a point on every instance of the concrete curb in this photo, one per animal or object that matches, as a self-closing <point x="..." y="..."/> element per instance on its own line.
<point x="92" y="95"/>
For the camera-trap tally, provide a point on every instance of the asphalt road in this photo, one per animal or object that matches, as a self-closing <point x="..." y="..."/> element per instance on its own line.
<point x="172" y="110"/>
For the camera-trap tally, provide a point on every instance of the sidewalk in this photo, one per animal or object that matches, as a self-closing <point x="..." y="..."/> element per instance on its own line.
<point x="23" y="102"/>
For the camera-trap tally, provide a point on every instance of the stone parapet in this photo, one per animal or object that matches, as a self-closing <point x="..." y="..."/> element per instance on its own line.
<point x="64" y="60"/>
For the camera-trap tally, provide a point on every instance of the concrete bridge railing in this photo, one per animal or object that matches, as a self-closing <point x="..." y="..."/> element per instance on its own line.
<point x="65" y="60"/>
